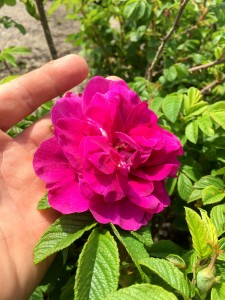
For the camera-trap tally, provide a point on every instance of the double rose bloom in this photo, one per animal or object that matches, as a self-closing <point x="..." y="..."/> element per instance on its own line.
<point x="108" y="156"/>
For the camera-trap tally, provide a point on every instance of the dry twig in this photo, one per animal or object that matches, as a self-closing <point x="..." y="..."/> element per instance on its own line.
<point x="212" y="85"/>
<point x="165" y="39"/>
<point x="206" y="66"/>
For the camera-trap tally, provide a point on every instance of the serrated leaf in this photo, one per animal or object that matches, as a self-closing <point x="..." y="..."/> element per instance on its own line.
<point x="170" y="74"/>
<point x="165" y="247"/>
<point x="190" y="259"/>
<point x="62" y="234"/>
<point x="218" y="218"/>
<point x="142" y="291"/>
<point x="195" y="195"/>
<point x="197" y="109"/>
<point x="135" y="9"/>
<point x="194" y="96"/>
<point x="210" y="227"/>
<point x="218" y="106"/>
<point x="191" y="172"/>
<point x="199" y="233"/>
<point x="176" y="260"/>
<point x="209" y="180"/>
<point x="218" y="117"/>
<point x="98" y="267"/>
<point x="43" y="203"/>
<point x="221" y="245"/>
<point x="169" y="273"/>
<point x="184" y="186"/>
<point x="191" y="132"/>
<point x="206" y="126"/>
<point x="156" y="104"/>
<point x="171" y="107"/>
<point x="143" y="235"/>
<point x="212" y="194"/>
<point x="218" y="292"/>
<point x="134" y="247"/>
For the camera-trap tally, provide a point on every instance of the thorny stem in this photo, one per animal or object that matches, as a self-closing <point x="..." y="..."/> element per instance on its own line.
<point x="165" y="39"/>
<point x="212" y="85"/>
<point x="46" y="29"/>
<point x="205" y="66"/>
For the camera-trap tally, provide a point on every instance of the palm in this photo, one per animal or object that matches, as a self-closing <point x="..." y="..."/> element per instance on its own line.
<point x="21" y="224"/>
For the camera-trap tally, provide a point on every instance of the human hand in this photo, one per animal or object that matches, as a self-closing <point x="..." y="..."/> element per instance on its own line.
<point x="21" y="224"/>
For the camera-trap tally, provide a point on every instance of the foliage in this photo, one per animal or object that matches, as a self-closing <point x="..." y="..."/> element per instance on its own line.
<point x="180" y="254"/>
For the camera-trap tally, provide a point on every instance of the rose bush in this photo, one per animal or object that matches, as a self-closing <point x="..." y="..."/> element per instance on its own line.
<point x="107" y="155"/>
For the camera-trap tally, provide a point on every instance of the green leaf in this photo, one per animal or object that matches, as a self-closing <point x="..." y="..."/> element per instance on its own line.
<point x="156" y="104"/>
<point x="8" y="78"/>
<point x="18" y="50"/>
<point x="212" y="194"/>
<point x="191" y="172"/>
<point x="168" y="272"/>
<point x="218" y="292"/>
<point x="209" y="180"/>
<point x="195" y="195"/>
<point x="206" y="126"/>
<point x="218" y="106"/>
<point x="191" y="132"/>
<point x="184" y="186"/>
<point x="164" y="248"/>
<point x="221" y="245"/>
<point x="135" y="9"/>
<point x="62" y="234"/>
<point x="43" y="203"/>
<point x="176" y="260"/>
<point x="199" y="233"/>
<point x="143" y="235"/>
<point x="170" y="74"/>
<point x="98" y="267"/>
<point x="210" y="227"/>
<point x="218" y="117"/>
<point x="218" y="218"/>
<point x="10" y="2"/>
<point x="134" y="247"/>
<point x="194" y="96"/>
<point x="171" y="107"/>
<point x="142" y="291"/>
<point x="68" y="289"/>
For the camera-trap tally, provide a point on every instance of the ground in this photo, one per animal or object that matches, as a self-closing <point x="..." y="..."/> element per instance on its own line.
<point x="34" y="38"/>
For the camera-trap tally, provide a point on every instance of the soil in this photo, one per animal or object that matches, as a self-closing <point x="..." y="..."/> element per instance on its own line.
<point x="34" y="38"/>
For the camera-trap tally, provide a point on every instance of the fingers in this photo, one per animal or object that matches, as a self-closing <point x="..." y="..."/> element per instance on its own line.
<point x="32" y="136"/>
<point x="23" y="95"/>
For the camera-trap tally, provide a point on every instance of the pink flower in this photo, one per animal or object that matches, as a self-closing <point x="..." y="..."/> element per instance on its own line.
<point x="108" y="156"/>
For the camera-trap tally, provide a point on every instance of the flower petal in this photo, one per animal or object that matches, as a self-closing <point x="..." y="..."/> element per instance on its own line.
<point x="49" y="162"/>
<point x="123" y="213"/>
<point x="67" y="198"/>
<point x="68" y="107"/>
<point x="71" y="132"/>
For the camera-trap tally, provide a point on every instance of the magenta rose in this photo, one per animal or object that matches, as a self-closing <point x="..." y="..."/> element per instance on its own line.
<point x="108" y="156"/>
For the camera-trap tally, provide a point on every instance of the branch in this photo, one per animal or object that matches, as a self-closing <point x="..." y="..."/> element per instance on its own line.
<point x="46" y="29"/>
<point x="205" y="66"/>
<point x="165" y="39"/>
<point x="212" y="85"/>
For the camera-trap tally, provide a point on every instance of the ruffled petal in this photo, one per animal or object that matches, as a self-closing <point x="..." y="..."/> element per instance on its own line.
<point x="49" y="162"/>
<point x="68" y="107"/>
<point x="123" y="213"/>
<point x="71" y="132"/>
<point x="100" y="85"/>
<point x="158" y="172"/>
<point x="67" y="198"/>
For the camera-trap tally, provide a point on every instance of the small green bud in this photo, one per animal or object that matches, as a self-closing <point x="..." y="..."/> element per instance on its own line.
<point x="205" y="280"/>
